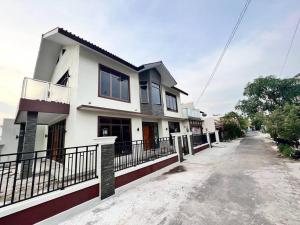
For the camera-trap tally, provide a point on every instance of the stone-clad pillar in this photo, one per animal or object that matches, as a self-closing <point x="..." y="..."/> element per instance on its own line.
<point x="106" y="170"/>
<point x="180" y="149"/>
<point x="21" y="139"/>
<point x="29" y="143"/>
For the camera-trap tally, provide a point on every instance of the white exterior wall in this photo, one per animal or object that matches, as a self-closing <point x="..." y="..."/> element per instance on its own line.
<point x="82" y="126"/>
<point x="88" y="80"/>
<point x="40" y="138"/>
<point x="9" y="142"/>
<point x="167" y="112"/>
<point x="209" y="125"/>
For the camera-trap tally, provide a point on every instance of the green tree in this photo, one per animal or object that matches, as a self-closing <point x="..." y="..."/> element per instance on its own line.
<point x="265" y="94"/>
<point x="284" y="123"/>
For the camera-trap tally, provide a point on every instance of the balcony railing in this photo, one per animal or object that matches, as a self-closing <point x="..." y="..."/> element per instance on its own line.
<point x="45" y="91"/>
<point x="191" y="113"/>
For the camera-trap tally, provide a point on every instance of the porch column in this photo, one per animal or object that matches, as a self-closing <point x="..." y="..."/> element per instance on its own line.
<point x="106" y="156"/>
<point x="29" y="143"/>
<point x="217" y="136"/>
<point x="208" y="139"/>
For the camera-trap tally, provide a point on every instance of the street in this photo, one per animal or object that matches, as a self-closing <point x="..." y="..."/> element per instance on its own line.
<point x="241" y="182"/>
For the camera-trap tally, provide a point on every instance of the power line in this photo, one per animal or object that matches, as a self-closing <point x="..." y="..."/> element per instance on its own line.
<point x="240" y="18"/>
<point x="289" y="48"/>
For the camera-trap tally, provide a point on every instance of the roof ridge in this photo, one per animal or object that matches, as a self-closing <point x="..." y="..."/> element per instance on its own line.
<point x="95" y="47"/>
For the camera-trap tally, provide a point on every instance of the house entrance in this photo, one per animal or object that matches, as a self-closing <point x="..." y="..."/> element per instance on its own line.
<point x="150" y="135"/>
<point x="56" y="140"/>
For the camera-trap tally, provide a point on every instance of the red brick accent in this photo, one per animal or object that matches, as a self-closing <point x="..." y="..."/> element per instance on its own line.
<point x="134" y="175"/>
<point x="200" y="148"/>
<point x="45" y="210"/>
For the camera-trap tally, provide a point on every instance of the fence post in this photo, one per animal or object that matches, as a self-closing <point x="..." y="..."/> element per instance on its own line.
<point x="190" y="142"/>
<point x="217" y="136"/>
<point x="106" y="156"/>
<point x="208" y="139"/>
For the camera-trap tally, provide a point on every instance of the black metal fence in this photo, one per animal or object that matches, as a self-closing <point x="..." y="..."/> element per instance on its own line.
<point x="199" y="139"/>
<point x="27" y="175"/>
<point x="129" y="154"/>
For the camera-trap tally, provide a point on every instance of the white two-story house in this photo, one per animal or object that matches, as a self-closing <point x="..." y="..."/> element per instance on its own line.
<point x="80" y="91"/>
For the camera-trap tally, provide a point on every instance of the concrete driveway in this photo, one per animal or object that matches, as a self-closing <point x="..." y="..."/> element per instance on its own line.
<point x="242" y="182"/>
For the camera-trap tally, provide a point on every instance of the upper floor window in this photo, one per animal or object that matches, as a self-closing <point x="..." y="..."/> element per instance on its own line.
<point x="144" y="92"/>
<point x="113" y="84"/>
<point x="155" y="94"/>
<point x="171" y="102"/>
<point x="64" y="79"/>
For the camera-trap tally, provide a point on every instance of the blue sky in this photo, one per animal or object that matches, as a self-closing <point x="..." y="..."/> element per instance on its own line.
<point x="187" y="35"/>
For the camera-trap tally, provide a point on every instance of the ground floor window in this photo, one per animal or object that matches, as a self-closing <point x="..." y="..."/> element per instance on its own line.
<point x="120" y="127"/>
<point x="110" y="126"/>
<point x="174" y="127"/>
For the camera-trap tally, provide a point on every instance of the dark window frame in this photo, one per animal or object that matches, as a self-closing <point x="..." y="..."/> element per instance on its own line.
<point x="116" y="73"/>
<point x="147" y="84"/>
<point x="63" y="81"/>
<point x="168" y="94"/>
<point x="159" y="90"/>
<point x="111" y="124"/>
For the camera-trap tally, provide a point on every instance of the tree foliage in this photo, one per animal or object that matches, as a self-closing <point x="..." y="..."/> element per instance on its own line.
<point x="284" y="123"/>
<point x="265" y="94"/>
<point x="233" y="124"/>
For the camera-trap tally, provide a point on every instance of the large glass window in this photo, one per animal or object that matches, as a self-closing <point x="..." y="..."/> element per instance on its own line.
<point x="113" y="84"/>
<point x="171" y="102"/>
<point x="144" y="91"/>
<point x="174" y="127"/>
<point x="120" y="127"/>
<point x="155" y="94"/>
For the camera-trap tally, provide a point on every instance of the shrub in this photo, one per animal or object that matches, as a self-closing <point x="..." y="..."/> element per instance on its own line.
<point x="286" y="150"/>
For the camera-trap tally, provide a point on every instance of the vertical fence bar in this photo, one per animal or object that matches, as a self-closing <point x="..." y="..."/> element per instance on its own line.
<point x="50" y="168"/>
<point x="33" y="174"/>
<point x="15" y="181"/>
<point x="76" y="153"/>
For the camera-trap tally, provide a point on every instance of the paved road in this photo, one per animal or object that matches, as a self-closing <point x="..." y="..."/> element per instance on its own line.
<point x="243" y="182"/>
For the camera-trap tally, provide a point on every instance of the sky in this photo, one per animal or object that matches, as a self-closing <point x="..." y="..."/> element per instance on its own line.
<point x="187" y="36"/>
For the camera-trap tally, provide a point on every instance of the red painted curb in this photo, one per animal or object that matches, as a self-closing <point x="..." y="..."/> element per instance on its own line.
<point x="45" y="210"/>
<point x="134" y="175"/>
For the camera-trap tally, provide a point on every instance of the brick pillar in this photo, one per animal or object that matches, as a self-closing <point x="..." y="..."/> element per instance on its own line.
<point x="106" y="170"/>
<point x="29" y="143"/>
<point x="180" y="149"/>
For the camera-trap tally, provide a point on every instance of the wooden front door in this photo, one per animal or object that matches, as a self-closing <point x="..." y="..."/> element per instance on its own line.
<point x="150" y="134"/>
<point x="56" y="140"/>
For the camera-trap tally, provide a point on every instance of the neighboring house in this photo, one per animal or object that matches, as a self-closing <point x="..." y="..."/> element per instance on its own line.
<point x="9" y="138"/>
<point x="194" y="122"/>
<point x="203" y="129"/>
<point x="80" y="91"/>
